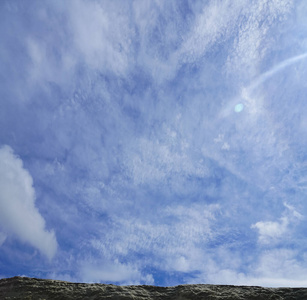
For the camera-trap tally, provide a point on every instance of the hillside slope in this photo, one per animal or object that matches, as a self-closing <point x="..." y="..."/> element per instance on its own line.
<point x="39" y="289"/>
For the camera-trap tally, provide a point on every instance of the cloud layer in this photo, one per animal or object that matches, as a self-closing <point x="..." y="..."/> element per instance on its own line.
<point x="166" y="141"/>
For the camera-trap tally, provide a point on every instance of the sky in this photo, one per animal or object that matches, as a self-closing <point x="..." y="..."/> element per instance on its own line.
<point x="154" y="142"/>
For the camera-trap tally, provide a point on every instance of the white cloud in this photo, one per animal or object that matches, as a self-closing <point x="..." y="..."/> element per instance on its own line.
<point x="114" y="271"/>
<point x="253" y="39"/>
<point x="128" y="169"/>
<point x="155" y="161"/>
<point x="102" y="34"/>
<point x="292" y="212"/>
<point x="95" y="34"/>
<point x="171" y="239"/>
<point x="214" y="23"/>
<point x="272" y="268"/>
<point x="18" y="215"/>
<point x="278" y="267"/>
<point x="280" y="263"/>
<point x="270" y="232"/>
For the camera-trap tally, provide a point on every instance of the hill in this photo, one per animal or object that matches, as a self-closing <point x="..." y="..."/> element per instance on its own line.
<point x="39" y="289"/>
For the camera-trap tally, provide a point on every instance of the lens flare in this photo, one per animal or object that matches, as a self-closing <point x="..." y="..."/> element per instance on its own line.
<point x="239" y="107"/>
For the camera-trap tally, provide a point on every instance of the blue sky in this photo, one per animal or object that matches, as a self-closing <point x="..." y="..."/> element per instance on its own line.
<point x="154" y="142"/>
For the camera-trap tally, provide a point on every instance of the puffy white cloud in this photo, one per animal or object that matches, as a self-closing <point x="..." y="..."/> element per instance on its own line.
<point x="270" y="232"/>
<point x="18" y="215"/>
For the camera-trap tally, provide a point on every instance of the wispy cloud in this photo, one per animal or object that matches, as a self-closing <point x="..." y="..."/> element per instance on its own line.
<point x="253" y="39"/>
<point x="2" y="237"/>
<point x="162" y="139"/>
<point x="114" y="271"/>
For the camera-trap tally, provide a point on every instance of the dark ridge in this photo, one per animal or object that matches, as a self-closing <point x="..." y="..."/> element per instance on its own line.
<point x="39" y="289"/>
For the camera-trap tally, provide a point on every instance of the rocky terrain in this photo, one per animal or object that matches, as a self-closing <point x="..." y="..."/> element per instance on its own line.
<point x="39" y="289"/>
